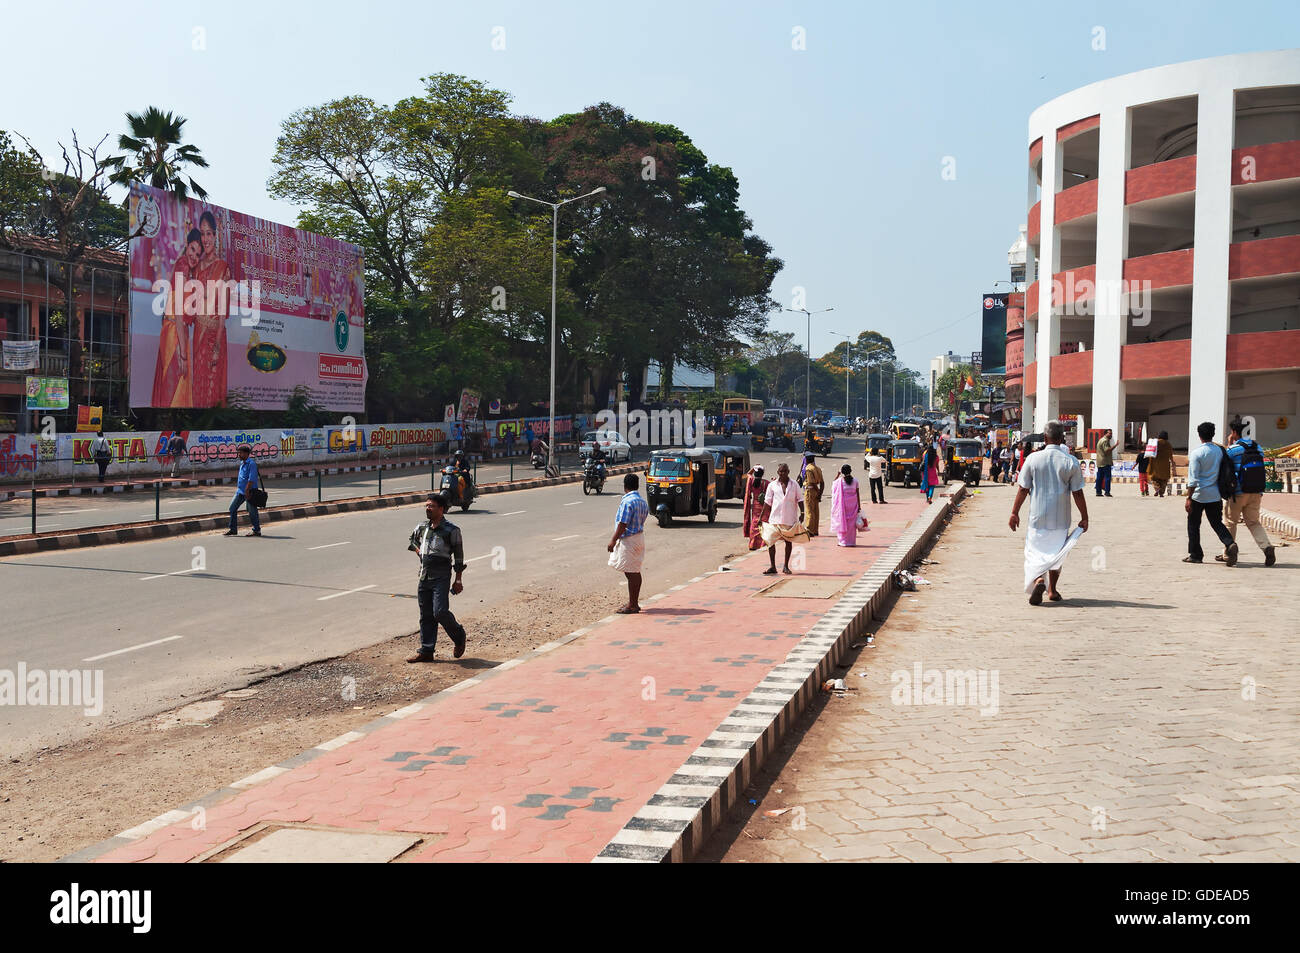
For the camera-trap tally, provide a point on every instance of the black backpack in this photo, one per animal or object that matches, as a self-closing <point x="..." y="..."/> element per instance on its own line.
<point x="1227" y="476"/>
<point x="1252" y="467"/>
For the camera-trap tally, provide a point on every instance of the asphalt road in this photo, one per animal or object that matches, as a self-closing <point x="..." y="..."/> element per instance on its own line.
<point x="163" y="631"/>
<point x="68" y="513"/>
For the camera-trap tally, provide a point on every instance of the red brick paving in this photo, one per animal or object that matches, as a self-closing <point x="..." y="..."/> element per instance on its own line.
<point x="557" y="754"/>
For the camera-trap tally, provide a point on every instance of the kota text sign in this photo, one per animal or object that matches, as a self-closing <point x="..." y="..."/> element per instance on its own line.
<point x="224" y="304"/>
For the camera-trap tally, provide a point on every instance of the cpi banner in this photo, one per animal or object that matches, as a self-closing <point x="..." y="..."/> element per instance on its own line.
<point x="223" y="303"/>
<point x="993" y="346"/>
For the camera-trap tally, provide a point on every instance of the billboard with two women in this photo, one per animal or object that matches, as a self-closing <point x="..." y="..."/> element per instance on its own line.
<point x="228" y="308"/>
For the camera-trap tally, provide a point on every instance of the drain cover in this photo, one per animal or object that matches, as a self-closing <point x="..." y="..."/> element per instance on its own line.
<point x="300" y="845"/>
<point x="807" y="587"/>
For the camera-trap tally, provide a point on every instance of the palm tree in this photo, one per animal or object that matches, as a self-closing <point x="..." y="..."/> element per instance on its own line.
<point x="150" y="157"/>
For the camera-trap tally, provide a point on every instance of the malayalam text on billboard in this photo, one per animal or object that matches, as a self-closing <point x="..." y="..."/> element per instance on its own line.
<point x="226" y="305"/>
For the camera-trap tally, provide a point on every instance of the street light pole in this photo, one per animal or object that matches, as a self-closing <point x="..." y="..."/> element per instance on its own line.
<point x="808" y="383"/>
<point x="555" y="227"/>
<point x="848" y="350"/>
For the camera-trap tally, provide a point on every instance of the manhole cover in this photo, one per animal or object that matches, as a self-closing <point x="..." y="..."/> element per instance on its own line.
<point x="315" y="845"/>
<point x="807" y="587"/>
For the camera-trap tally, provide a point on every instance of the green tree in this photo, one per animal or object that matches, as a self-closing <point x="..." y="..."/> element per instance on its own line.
<point x="154" y="154"/>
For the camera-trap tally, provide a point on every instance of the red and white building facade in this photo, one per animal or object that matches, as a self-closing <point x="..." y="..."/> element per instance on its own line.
<point x="1163" y="268"/>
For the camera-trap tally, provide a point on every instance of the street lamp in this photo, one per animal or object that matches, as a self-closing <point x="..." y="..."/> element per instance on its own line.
<point x="848" y="345"/>
<point x="808" y="389"/>
<point x="555" y="224"/>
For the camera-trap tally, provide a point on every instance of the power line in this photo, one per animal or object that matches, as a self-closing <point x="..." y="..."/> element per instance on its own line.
<point x="943" y="328"/>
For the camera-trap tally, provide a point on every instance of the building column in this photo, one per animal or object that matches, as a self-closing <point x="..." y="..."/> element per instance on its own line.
<point x="1048" y="342"/>
<point x="1211" y="302"/>
<point x="1110" y="314"/>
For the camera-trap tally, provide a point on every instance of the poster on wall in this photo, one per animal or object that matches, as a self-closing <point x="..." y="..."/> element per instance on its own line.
<point x="225" y="304"/>
<point x="21" y="355"/>
<point x="89" y="419"/>
<point x="47" y="393"/>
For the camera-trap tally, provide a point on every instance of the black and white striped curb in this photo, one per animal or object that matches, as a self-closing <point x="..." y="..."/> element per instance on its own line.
<point x="179" y="527"/>
<point x="1284" y="525"/>
<point x="195" y="809"/>
<point x="678" y="820"/>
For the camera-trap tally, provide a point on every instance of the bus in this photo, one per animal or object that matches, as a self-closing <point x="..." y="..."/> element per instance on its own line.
<point x="742" y="408"/>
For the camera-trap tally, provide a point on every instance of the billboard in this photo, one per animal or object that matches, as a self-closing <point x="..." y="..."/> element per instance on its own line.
<point x="226" y="305"/>
<point x="993" y="347"/>
<point x="47" y="393"/>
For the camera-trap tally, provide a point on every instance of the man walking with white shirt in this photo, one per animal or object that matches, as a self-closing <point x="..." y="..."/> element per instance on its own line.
<point x="1203" y="497"/>
<point x="783" y="499"/>
<point x="875" y="465"/>
<point x="1048" y="479"/>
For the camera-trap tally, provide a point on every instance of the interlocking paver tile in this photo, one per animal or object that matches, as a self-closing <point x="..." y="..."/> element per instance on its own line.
<point x="1114" y="707"/>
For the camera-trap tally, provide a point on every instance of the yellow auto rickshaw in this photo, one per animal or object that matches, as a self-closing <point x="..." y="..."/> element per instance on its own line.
<point x="818" y="440"/>
<point x="903" y="462"/>
<point x="965" y="462"/>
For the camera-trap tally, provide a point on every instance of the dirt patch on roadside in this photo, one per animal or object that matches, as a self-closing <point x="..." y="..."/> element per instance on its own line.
<point x="56" y="801"/>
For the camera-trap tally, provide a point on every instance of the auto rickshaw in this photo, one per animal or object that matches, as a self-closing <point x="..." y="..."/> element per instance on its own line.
<point x="904" y="431"/>
<point x="903" y="462"/>
<point x="818" y="440"/>
<point x="730" y="464"/>
<point x="681" y="483"/>
<point x="964" y="461"/>
<point x="878" y="442"/>
<point x="767" y="435"/>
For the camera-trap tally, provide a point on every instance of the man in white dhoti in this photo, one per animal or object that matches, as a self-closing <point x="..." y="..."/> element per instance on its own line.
<point x="1048" y="479"/>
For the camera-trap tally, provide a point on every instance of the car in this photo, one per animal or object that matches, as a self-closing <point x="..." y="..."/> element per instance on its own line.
<point x="618" y="449"/>
<point x="839" y="423"/>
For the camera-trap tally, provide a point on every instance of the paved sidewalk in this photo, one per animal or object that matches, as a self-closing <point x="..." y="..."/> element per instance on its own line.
<point x="545" y="759"/>
<point x="1151" y="716"/>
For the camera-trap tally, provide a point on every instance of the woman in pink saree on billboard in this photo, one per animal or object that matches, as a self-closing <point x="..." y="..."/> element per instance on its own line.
<point x="209" y="355"/>
<point x="171" y="375"/>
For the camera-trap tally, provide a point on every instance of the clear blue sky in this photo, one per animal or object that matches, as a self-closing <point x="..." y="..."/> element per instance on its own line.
<point x="837" y="147"/>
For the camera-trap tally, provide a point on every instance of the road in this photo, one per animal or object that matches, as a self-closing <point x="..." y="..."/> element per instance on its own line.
<point x="178" y="618"/>
<point x="68" y="513"/>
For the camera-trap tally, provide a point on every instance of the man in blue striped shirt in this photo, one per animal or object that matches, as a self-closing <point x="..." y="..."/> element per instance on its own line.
<point x="627" y="548"/>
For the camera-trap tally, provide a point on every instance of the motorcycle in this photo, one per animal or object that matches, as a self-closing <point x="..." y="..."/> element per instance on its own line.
<point x="458" y="487"/>
<point x="593" y="476"/>
<point x="538" y="458"/>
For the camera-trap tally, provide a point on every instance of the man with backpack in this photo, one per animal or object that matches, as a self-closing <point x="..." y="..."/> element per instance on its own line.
<point x="1210" y="477"/>
<point x="1248" y="462"/>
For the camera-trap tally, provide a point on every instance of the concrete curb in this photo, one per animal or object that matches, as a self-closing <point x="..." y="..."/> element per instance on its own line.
<point x="1277" y="523"/>
<point x="678" y="820"/>
<point x="160" y="530"/>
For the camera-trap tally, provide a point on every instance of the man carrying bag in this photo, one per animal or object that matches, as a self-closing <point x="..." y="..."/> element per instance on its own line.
<point x="101" y="454"/>
<point x="248" y="490"/>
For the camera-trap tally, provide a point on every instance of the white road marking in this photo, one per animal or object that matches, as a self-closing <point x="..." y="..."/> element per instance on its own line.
<point x="348" y="593"/>
<point x="560" y="539"/>
<point x="575" y="503"/>
<point x="42" y="526"/>
<point x="328" y="545"/>
<point x="477" y="558"/>
<point x="93" y="509"/>
<point x="514" y="513"/>
<point x="179" y="572"/>
<point x="142" y="645"/>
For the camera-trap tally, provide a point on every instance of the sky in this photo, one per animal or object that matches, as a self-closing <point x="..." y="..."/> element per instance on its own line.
<point x="839" y="147"/>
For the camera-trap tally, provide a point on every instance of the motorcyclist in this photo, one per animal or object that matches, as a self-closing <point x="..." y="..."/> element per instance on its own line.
<point x="598" y="458"/>
<point x="464" y="477"/>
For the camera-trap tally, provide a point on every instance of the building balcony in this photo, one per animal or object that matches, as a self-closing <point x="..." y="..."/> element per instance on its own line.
<point x="1074" y="286"/>
<point x="1072" y="370"/>
<point x="1169" y="269"/>
<point x="1264" y="351"/>
<point x="1264" y="257"/>
<point x="1156" y="360"/>
<point x="1033" y="228"/>
<point x="1160" y="179"/>
<point x="1266" y="163"/>
<point x="1076" y="202"/>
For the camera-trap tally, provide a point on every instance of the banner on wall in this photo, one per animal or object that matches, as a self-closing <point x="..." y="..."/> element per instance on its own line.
<point x="47" y="393"/>
<point x="21" y="355"/>
<point x="469" y="404"/>
<point x="89" y="419"/>
<point x="225" y="303"/>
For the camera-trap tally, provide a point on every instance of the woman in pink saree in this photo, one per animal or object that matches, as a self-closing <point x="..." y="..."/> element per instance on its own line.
<point x="209" y="363"/>
<point x="846" y="507"/>
<point x="171" y="373"/>
<point x="756" y="509"/>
